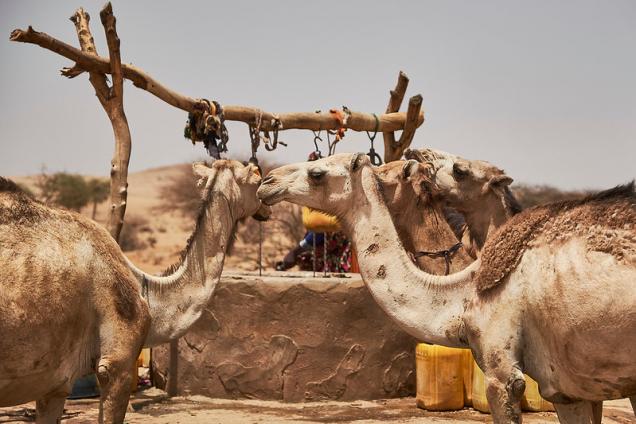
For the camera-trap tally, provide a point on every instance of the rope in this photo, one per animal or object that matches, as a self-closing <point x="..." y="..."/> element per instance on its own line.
<point x="260" y="248"/>
<point x="208" y="128"/>
<point x="446" y="254"/>
<point x="324" y="254"/>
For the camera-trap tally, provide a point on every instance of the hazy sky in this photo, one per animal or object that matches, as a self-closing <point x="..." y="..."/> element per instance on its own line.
<point x="544" y="89"/>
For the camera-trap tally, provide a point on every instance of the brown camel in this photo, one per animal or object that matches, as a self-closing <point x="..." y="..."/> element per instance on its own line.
<point x="71" y="305"/>
<point x="557" y="280"/>
<point x="419" y="220"/>
<point x="477" y="189"/>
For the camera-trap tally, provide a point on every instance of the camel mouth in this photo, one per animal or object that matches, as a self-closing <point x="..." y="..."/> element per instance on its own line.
<point x="263" y="213"/>
<point x="270" y="195"/>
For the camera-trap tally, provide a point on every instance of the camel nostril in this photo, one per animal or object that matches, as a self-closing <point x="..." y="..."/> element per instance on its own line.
<point x="267" y="179"/>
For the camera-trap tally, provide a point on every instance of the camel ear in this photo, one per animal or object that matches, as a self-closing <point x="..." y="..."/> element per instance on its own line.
<point x="498" y="183"/>
<point x="409" y="168"/>
<point x="357" y="160"/>
<point x="413" y="154"/>
<point x="202" y="171"/>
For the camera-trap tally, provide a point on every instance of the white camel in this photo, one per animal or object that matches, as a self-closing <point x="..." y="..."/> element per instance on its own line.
<point x="553" y="294"/>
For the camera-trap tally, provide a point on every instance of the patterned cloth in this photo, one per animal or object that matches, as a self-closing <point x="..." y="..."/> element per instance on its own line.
<point x="338" y="255"/>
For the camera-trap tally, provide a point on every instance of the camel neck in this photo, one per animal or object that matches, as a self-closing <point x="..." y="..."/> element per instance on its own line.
<point x="485" y="219"/>
<point x="176" y="301"/>
<point x="427" y="306"/>
<point x="426" y="230"/>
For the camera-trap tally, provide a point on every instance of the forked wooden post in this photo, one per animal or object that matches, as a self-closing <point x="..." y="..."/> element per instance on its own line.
<point x="111" y="99"/>
<point x="173" y="369"/>
<point x="393" y="149"/>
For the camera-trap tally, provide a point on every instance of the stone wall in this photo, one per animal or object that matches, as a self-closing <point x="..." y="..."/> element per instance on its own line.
<point x="295" y="338"/>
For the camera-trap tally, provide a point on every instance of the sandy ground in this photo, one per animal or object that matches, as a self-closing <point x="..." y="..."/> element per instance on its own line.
<point x="152" y="406"/>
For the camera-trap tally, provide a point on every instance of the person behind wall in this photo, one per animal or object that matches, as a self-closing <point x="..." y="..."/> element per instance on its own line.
<point x="337" y="245"/>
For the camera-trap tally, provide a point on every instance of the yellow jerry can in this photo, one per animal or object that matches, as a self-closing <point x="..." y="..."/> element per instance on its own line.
<point x="531" y="400"/>
<point x="319" y="222"/>
<point x="467" y="376"/>
<point x="439" y="377"/>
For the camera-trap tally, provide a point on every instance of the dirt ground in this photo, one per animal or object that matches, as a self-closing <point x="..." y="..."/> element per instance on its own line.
<point x="153" y="406"/>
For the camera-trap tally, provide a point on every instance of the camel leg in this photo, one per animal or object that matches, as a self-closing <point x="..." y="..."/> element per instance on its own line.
<point x="582" y="412"/>
<point x="49" y="409"/>
<point x="505" y="387"/>
<point x="114" y="380"/>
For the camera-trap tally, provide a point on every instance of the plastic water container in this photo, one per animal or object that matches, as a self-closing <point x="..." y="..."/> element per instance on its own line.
<point x="440" y="383"/>
<point x="531" y="400"/>
<point x="467" y="376"/>
<point x="319" y="222"/>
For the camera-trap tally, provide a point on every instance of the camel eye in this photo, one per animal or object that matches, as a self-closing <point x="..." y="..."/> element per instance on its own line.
<point x="316" y="174"/>
<point x="459" y="171"/>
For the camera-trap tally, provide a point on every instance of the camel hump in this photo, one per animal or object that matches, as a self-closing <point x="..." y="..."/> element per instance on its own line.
<point x="614" y="208"/>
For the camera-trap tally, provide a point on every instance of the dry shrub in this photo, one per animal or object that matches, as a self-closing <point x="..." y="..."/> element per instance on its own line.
<point x="531" y="195"/>
<point x="181" y="193"/>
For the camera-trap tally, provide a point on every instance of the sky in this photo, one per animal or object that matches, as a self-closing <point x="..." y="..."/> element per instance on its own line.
<point x="545" y="90"/>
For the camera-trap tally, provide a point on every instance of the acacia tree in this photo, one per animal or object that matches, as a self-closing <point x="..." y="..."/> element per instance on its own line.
<point x="63" y="189"/>
<point x="98" y="190"/>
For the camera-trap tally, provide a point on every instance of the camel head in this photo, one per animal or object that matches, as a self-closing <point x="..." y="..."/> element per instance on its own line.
<point x="328" y="184"/>
<point x="463" y="183"/>
<point x="237" y="182"/>
<point x="406" y="185"/>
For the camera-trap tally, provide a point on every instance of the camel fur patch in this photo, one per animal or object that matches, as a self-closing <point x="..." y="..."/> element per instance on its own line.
<point x="606" y="220"/>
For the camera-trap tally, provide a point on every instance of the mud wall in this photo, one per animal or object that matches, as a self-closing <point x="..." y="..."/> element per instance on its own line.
<point x="292" y="338"/>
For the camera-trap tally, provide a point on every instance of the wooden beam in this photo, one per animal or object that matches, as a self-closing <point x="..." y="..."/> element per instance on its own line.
<point x="304" y="120"/>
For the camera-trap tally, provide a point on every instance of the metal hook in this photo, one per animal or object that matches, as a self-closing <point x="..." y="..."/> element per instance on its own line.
<point x="375" y="158"/>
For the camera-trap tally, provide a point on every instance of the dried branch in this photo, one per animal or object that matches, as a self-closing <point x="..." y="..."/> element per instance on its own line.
<point x="303" y="120"/>
<point x="115" y="111"/>
<point x="395" y="101"/>
<point x="111" y="100"/>
<point x="81" y="20"/>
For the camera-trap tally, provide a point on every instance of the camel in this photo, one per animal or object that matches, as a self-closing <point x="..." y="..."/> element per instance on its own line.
<point x="419" y="220"/>
<point x="557" y="280"/>
<point x="469" y="185"/>
<point x="72" y="303"/>
<point x="69" y="306"/>
<point x="477" y="189"/>
<point x="178" y="298"/>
